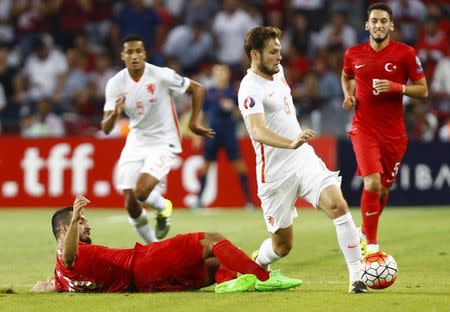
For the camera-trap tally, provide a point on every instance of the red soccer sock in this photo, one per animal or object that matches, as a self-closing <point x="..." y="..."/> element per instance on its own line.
<point x="236" y="260"/>
<point x="370" y="209"/>
<point x="383" y="202"/>
<point x="224" y="274"/>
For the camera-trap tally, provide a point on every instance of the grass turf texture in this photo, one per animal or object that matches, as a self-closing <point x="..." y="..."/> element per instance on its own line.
<point x="418" y="238"/>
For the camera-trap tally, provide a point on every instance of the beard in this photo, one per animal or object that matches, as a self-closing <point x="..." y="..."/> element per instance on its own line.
<point x="86" y="240"/>
<point x="379" y="39"/>
<point x="266" y="70"/>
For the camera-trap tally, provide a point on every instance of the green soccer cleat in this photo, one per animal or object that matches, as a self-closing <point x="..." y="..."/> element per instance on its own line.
<point x="241" y="284"/>
<point x="277" y="281"/>
<point x="362" y="242"/>
<point x="163" y="220"/>
<point x="357" y="287"/>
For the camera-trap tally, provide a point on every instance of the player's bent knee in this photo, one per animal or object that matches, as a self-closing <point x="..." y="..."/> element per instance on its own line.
<point x="214" y="237"/>
<point x="283" y="249"/>
<point x="141" y="194"/>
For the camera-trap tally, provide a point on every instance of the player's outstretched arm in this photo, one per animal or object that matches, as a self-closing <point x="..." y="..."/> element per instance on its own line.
<point x="70" y="243"/>
<point x="198" y="95"/>
<point x="256" y="125"/>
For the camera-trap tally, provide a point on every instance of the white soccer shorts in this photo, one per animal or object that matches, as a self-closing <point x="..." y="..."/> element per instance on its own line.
<point x="308" y="182"/>
<point x="138" y="157"/>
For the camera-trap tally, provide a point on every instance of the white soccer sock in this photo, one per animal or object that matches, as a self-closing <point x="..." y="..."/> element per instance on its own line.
<point x="266" y="255"/>
<point x="156" y="201"/>
<point x="349" y="242"/>
<point x="142" y="227"/>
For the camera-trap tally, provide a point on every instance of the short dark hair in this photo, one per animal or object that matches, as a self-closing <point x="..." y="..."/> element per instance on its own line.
<point x="379" y="6"/>
<point x="258" y="38"/>
<point x="61" y="217"/>
<point x="132" y="37"/>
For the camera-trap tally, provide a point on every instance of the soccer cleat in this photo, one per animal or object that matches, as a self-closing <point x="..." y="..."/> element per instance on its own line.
<point x="277" y="281"/>
<point x="243" y="283"/>
<point x="163" y="220"/>
<point x="255" y="255"/>
<point x="362" y="242"/>
<point x="357" y="287"/>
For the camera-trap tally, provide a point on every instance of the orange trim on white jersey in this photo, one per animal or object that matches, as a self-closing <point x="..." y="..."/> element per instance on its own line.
<point x="263" y="165"/>
<point x="175" y="118"/>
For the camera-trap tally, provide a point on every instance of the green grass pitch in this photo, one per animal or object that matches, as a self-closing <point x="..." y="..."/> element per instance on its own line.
<point x="418" y="238"/>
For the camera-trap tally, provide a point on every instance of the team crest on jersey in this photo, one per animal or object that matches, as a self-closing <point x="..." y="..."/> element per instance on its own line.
<point x="419" y="64"/>
<point x="151" y="88"/>
<point x="249" y="102"/>
<point x="271" y="220"/>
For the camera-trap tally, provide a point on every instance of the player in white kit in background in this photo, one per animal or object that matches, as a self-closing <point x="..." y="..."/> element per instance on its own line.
<point x="287" y="166"/>
<point x="144" y="93"/>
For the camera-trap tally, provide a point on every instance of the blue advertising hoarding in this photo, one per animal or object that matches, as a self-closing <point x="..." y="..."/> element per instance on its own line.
<point x="423" y="178"/>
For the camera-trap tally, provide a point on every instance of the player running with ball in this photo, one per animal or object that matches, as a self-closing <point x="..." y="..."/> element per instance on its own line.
<point x="374" y="81"/>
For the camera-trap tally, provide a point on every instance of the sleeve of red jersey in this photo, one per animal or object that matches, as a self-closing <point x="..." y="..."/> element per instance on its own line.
<point x="348" y="66"/>
<point x="415" y="69"/>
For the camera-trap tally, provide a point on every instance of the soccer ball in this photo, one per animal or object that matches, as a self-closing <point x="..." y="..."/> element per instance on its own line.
<point x="379" y="270"/>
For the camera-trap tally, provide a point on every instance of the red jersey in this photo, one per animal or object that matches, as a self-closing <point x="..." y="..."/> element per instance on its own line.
<point x="95" y="269"/>
<point x="381" y="114"/>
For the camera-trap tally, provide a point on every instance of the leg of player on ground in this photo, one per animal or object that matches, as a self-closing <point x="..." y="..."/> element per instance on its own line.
<point x="333" y="204"/>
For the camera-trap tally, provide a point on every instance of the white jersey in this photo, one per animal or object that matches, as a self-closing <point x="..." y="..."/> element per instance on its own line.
<point x="273" y="99"/>
<point x="149" y="103"/>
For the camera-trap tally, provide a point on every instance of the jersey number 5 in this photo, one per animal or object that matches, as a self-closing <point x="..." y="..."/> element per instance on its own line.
<point x="139" y="108"/>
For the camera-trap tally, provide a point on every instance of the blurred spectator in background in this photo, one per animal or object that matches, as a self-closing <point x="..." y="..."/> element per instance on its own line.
<point x="99" y="23"/>
<point x="432" y="45"/>
<point x="44" y="73"/>
<point x="230" y="27"/>
<point x="420" y="121"/>
<point x="2" y="104"/>
<point x="41" y="122"/>
<point x="6" y="26"/>
<point x="9" y="115"/>
<point x="444" y="131"/>
<point x="190" y="45"/>
<point x="135" y="18"/>
<point x="408" y="14"/>
<point x="222" y="111"/>
<point x="335" y="33"/>
<point x="76" y="79"/>
<point x="102" y="72"/>
<point x="308" y="100"/>
<point x="200" y="10"/>
<point x="82" y="45"/>
<point x="300" y="34"/>
<point x="314" y="10"/>
<point x="72" y="17"/>
<point x="31" y="19"/>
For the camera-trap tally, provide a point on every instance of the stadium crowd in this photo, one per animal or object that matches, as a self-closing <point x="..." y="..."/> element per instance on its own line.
<point x="57" y="55"/>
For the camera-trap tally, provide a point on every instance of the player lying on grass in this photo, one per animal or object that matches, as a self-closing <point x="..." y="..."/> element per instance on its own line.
<point x="184" y="262"/>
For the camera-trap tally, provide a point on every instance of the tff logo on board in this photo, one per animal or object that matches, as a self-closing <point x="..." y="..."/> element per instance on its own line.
<point x="67" y="168"/>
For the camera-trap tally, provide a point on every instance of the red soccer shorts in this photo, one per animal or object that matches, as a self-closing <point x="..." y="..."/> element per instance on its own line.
<point x="174" y="264"/>
<point x="373" y="156"/>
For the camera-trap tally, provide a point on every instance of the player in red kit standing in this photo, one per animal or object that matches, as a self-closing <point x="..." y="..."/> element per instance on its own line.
<point x="374" y="79"/>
